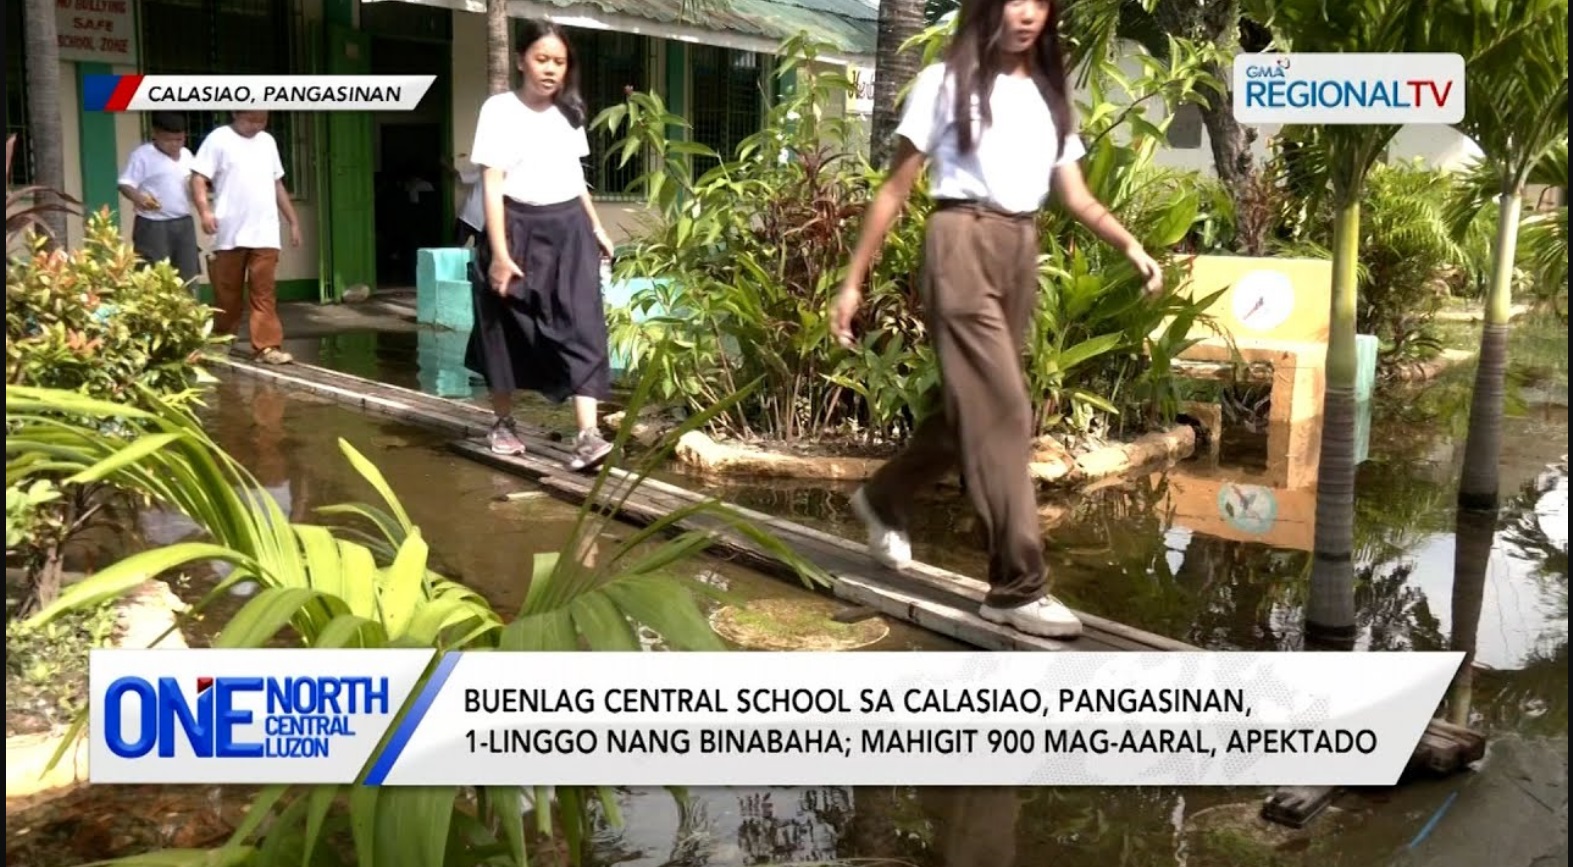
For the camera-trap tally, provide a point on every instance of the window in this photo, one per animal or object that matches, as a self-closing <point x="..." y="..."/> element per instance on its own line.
<point x="16" y="95"/>
<point x="230" y="37"/>
<point x="611" y="65"/>
<point x="727" y="95"/>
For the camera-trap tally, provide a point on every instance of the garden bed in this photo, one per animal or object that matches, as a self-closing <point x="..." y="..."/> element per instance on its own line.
<point x="47" y="681"/>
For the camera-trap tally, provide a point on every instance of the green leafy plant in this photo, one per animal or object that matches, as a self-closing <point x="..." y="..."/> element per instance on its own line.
<point x="744" y="259"/>
<point x="370" y="585"/>
<point x="740" y="264"/>
<point x="99" y="322"/>
<point x="1409" y="258"/>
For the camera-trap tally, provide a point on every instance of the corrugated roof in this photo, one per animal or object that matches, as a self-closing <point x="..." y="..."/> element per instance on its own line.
<point x="846" y="25"/>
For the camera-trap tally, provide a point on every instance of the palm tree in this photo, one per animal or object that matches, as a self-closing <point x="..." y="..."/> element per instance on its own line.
<point x="499" y="60"/>
<point x="899" y="21"/>
<point x="43" y="113"/>
<point x="1346" y="155"/>
<point x="1517" y="112"/>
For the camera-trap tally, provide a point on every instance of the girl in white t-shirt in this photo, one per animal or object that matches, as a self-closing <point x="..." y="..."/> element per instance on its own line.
<point x="540" y="323"/>
<point x="1004" y="73"/>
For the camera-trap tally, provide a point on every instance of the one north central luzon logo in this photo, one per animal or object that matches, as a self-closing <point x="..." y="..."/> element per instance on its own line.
<point x="238" y="717"/>
<point x="1273" y="85"/>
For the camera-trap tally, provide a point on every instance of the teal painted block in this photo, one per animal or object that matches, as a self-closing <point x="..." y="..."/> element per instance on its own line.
<point x="434" y="265"/>
<point x="440" y="355"/>
<point x="445" y="263"/>
<point x="1362" y="431"/>
<point x="454" y="305"/>
<point x="1366" y="349"/>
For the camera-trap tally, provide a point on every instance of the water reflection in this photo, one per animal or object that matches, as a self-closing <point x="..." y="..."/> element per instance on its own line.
<point x="1211" y="554"/>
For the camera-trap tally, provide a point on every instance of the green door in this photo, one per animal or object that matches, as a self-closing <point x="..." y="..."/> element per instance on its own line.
<point x="347" y="228"/>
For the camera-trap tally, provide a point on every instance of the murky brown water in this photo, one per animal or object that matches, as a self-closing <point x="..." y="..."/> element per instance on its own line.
<point x="1148" y="553"/>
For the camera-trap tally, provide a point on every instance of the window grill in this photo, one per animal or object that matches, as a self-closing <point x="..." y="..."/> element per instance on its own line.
<point x="231" y="37"/>
<point x="16" y="95"/>
<point x="727" y="93"/>
<point x="611" y="65"/>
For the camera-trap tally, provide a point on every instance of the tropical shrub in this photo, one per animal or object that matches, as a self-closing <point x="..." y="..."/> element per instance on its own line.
<point x="99" y="322"/>
<point x="1410" y="261"/>
<point x="368" y="584"/>
<point x="744" y="259"/>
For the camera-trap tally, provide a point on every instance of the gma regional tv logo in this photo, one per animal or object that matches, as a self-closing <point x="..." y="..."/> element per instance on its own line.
<point x="214" y="716"/>
<point x="1349" y="88"/>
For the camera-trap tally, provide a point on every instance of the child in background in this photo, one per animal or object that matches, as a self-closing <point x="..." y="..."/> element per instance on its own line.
<point x="469" y="226"/>
<point x="994" y="124"/>
<point x="540" y="323"/>
<point x="157" y="182"/>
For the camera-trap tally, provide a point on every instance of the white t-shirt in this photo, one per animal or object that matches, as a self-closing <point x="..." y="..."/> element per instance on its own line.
<point x="538" y="151"/>
<point x="1013" y="159"/>
<point x="166" y="178"/>
<point x="245" y="173"/>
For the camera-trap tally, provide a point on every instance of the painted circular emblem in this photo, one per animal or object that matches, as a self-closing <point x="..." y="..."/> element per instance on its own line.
<point x="1248" y="508"/>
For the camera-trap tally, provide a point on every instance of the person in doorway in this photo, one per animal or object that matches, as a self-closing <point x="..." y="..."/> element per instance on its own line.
<point x="539" y="320"/>
<point x="240" y="164"/>
<point x="469" y="226"/>
<point x="1004" y="75"/>
<point x="156" y="181"/>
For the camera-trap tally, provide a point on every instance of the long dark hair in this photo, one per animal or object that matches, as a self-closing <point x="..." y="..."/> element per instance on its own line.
<point x="974" y="59"/>
<point x="567" y="98"/>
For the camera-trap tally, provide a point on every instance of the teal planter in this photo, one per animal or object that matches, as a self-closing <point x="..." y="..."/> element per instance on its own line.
<point x="1366" y="348"/>
<point x="1362" y="432"/>
<point x="440" y="354"/>
<point x="442" y="287"/>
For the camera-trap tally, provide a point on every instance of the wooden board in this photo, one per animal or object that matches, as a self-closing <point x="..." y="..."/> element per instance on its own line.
<point x="936" y="599"/>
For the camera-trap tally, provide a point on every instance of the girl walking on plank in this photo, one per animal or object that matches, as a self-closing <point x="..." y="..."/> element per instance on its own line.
<point x="539" y="320"/>
<point x="1005" y="75"/>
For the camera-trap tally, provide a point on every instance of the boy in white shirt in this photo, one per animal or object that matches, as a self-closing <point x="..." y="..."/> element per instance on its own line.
<point x="157" y="180"/>
<point x="240" y="163"/>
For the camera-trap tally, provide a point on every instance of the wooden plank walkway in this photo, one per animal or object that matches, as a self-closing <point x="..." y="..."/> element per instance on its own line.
<point x="936" y="599"/>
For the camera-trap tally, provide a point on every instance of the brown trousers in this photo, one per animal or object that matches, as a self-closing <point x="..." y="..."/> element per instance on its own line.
<point x="231" y="271"/>
<point x="979" y="291"/>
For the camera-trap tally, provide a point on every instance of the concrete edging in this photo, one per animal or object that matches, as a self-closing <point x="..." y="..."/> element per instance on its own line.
<point x="704" y="454"/>
<point x="144" y="614"/>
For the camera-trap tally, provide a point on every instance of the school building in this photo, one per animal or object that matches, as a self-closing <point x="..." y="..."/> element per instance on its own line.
<point x="370" y="188"/>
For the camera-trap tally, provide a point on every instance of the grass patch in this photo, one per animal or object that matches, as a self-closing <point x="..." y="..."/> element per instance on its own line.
<point x="793" y="624"/>
<point x="46" y="667"/>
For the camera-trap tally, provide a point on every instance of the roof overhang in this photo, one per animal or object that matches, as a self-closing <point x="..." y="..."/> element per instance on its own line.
<point x="591" y="16"/>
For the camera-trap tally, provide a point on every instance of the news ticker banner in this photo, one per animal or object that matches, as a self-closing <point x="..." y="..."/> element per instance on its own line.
<point x="254" y="92"/>
<point x="1349" y="88"/>
<point x="748" y="719"/>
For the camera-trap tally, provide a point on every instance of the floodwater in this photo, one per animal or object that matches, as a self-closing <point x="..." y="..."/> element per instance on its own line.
<point x="1156" y="552"/>
<point x="1159" y="552"/>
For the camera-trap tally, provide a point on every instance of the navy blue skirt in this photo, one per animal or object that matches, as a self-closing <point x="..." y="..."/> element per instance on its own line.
<point x="548" y="334"/>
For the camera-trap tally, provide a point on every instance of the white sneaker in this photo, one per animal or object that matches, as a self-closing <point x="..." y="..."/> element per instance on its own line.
<point x="1046" y="618"/>
<point x="889" y="546"/>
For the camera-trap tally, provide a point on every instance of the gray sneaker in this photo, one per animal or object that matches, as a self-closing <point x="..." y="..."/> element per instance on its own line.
<point x="588" y="451"/>
<point x="504" y="437"/>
